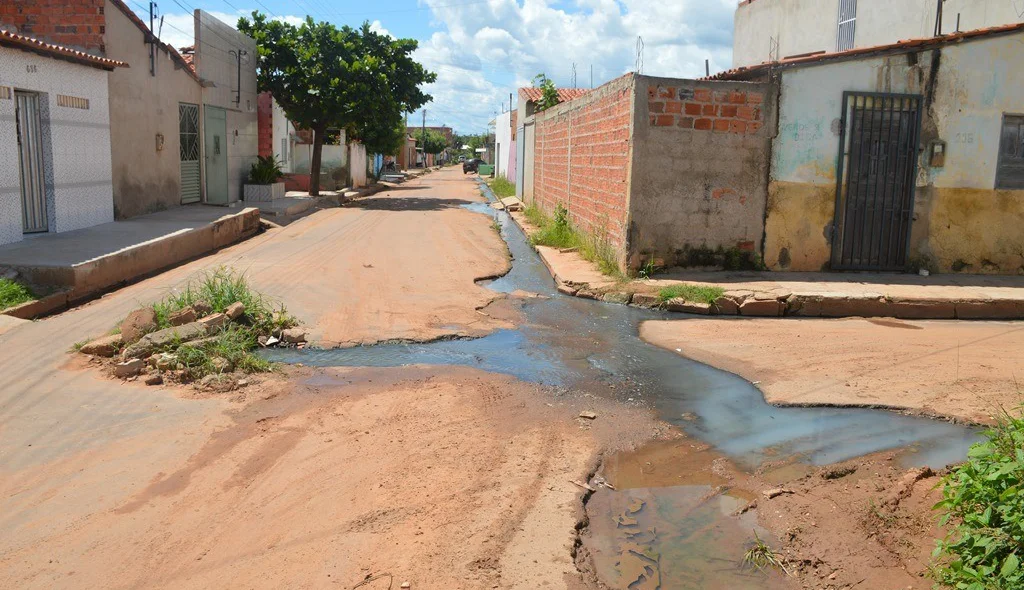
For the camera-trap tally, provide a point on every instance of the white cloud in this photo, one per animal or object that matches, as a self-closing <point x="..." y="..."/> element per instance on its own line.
<point x="486" y="50"/>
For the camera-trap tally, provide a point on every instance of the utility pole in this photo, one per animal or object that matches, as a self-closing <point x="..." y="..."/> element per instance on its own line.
<point x="151" y="40"/>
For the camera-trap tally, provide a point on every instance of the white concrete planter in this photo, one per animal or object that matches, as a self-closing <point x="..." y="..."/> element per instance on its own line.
<point x="264" y="192"/>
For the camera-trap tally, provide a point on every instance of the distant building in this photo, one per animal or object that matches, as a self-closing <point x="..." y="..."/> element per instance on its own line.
<point x="445" y="131"/>
<point x="775" y="29"/>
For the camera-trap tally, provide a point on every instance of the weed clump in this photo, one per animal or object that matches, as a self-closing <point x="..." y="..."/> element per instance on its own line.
<point x="13" y="293"/>
<point x="696" y="293"/>
<point x="984" y="500"/>
<point x="502" y="188"/>
<point x="762" y="557"/>
<point x="558" y="232"/>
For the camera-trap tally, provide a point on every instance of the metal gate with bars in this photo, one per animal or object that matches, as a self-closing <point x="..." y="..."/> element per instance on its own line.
<point x="30" y="160"/>
<point x="188" y="137"/>
<point x="875" y="181"/>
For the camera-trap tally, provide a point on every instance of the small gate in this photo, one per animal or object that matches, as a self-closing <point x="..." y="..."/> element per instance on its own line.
<point x="188" y="147"/>
<point x="875" y="183"/>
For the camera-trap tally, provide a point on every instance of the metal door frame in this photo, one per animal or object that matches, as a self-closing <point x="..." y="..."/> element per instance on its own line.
<point x="207" y="156"/>
<point x="902" y="248"/>
<point x="34" y="214"/>
<point x="182" y="107"/>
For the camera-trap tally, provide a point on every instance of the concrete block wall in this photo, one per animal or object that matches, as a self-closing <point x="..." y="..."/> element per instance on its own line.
<point x="700" y="167"/>
<point x="73" y="23"/>
<point x="581" y="160"/>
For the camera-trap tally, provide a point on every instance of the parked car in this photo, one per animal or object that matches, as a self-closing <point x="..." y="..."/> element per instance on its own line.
<point x="471" y="165"/>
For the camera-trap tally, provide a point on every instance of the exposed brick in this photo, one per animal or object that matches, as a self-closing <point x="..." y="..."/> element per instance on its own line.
<point x="754" y="126"/>
<point x="748" y="113"/>
<point x="664" y="120"/>
<point x="673" y="106"/>
<point x="702" y="95"/>
<point x="685" y="122"/>
<point x="692" y="108"/>
<point x="710" y="110"/>
<point x="666" y="92"/>
<point x="657" y="107"/>
<point x="737" y="126"/>
<point x="703" y="124"/>
<point x="728" y="110"/>
<point x="721" y="125"/>
<point x="652" y="91"/>
<point x="721" y="96"/>
<point x="755" y="98"/>
<point x="736" y="97"/>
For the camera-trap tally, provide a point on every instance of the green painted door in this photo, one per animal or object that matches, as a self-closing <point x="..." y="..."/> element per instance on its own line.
<point x="215" y="132"/>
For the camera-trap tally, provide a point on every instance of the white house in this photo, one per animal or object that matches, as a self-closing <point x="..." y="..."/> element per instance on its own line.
<point x="55" y="162"/>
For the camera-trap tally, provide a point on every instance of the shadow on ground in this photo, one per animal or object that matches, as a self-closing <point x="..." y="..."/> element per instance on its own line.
<point x="407" y="204"/>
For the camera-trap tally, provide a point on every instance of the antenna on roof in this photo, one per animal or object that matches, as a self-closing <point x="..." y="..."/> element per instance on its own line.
<point x="639" y="54"/>
<point x="707" y="68"/>
<point x="573" y="85"/>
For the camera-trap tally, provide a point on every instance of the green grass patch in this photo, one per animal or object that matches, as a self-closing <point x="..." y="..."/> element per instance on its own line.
<point x="501" y="187"/>
<point x="13" y="293"/>
<point x="983" y="501"/>
<point x="695" y="293"/>
<point x="557" y="232"/>
<point x="219" y="289"/>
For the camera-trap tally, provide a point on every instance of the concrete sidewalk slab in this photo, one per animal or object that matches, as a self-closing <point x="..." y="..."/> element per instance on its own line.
<point x="800" y="294"/>
<point x="285" y="207"/>
<point x="81" y="263"/>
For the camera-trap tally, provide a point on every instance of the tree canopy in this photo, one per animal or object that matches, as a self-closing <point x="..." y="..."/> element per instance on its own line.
<point x="435" y="142"/>
<point x="549" y="93"/>
<point x="329" y="77"/>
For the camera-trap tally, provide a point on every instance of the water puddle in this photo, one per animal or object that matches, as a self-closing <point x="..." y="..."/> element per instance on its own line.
<point x="686" y="529"/>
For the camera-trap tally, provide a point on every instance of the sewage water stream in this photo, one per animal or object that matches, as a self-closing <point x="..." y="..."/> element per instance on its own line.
<point x="577" y="343"/>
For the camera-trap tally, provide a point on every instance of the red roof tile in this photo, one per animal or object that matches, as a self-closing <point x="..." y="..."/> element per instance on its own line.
<point x="533" y="94"/>
<point x="747" y="72"/>
<point x="34" y="45"/>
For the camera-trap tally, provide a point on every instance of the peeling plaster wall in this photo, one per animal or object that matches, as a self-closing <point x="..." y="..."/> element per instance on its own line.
<point x="960" y="221"/>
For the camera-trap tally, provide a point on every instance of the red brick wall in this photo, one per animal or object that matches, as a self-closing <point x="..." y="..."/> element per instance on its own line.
<point x="265" y="124"/>
<point x="73" y="23"/>
<point x="706" y="109"/>
<point x="592" y="182"/>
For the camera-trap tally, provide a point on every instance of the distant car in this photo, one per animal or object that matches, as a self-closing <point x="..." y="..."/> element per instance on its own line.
<point x="471" y="165"/>
<point x="462" y="158"/>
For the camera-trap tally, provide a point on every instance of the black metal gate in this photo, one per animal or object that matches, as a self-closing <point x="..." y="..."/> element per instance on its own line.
<point x="875" y="181"/>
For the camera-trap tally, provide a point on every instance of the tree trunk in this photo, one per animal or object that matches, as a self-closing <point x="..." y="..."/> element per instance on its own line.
<point x="314" y="165"/>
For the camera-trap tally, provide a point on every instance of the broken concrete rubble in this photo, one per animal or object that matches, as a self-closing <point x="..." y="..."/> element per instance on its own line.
<point x="293" y="335"/>
<point x="235" y="310"/>
<point x="105" y="347"/>
<point x="129" y="368"/>
<point x="214" y="322"/>
<point x="138" y="324"/>
<point x="182" y="316"/>
<point x="161" y="338"/>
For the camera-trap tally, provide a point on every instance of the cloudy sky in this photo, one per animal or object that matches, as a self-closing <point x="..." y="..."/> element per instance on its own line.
<point x="482" y="50"/>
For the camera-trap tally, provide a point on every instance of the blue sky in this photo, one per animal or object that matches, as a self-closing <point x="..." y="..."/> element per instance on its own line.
<point x="484" y="49"/>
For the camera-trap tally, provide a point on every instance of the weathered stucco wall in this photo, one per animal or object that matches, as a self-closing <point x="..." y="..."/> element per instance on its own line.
<point x="582" y="154"/>
<point x="960" y="222"/>
<point x="214" y="62"/>
<point x="143" y="106"/>
<point x="803" y="26"/>
<point x="75" y="143"/>
<point x="700" y="167"/>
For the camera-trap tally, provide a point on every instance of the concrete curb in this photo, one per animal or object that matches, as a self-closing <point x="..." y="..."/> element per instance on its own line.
<point x="89" y="278"/>
<point x="803" y="305"/>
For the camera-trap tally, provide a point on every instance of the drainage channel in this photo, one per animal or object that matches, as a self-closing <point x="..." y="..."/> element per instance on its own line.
<point x="578" y="343"/>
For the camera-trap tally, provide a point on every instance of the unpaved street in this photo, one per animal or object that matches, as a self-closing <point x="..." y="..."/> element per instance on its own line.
<point x="964" y="370"/>
<point x="441" y="477"/>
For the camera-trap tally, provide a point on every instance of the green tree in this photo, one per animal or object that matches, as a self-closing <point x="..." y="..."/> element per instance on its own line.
<point x="434" y="142"/>
<point x="328" y="77"/>
<point x="549" y="93"/>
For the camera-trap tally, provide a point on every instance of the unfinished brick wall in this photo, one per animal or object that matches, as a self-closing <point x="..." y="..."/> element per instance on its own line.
<point x="581" y="160"/>
<point x="700" y="168"/>
<point x="80" y="24"/>
<point x="706" y="108"/>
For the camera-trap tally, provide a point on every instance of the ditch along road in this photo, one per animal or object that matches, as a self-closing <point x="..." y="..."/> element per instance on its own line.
<point x="440" y="474"/>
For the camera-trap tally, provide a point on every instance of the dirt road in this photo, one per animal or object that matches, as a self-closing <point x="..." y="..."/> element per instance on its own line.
<point x="441" y="477"/>
<point x="964" y="370"/>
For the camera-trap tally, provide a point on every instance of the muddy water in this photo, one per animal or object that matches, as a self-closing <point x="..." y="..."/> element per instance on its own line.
<point x="678" y="532"/>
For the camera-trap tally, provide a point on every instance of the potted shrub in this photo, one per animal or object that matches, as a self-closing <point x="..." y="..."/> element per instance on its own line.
<point x="263" y="182"/>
